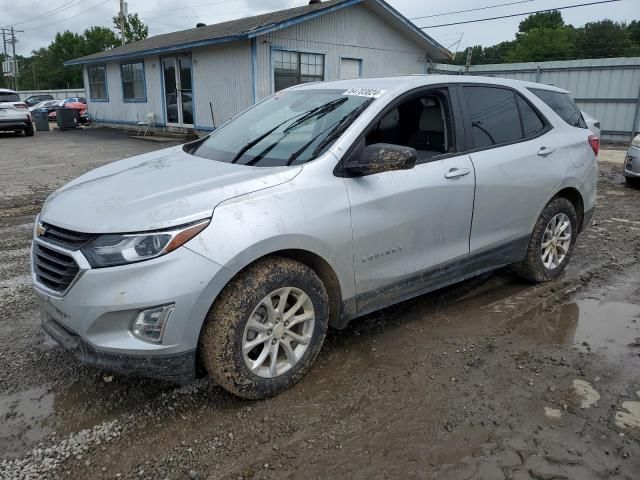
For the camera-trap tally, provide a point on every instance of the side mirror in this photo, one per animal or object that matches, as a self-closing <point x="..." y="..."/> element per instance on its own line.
<point x="381" y="157"/>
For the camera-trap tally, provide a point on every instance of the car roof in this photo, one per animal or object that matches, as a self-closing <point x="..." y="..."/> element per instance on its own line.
<point x="6" y="90"/>
<point x="399" y="84"/>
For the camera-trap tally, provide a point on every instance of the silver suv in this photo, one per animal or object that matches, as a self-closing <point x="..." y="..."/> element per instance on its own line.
<point x="318" y="205"/>
<point x="14" y="114"/>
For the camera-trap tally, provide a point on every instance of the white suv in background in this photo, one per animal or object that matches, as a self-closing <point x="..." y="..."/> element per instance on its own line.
<point x="14" y="114"/>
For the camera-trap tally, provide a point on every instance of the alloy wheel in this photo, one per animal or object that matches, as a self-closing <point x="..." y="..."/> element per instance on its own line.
<point x="278" y="332"/>
<point x="556" y="241"/>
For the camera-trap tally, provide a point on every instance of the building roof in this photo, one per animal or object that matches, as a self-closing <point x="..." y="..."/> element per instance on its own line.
<point x="250" y="27"/>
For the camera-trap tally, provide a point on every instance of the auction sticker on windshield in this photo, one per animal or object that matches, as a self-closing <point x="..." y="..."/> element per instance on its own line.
<point x="364" y="92"/>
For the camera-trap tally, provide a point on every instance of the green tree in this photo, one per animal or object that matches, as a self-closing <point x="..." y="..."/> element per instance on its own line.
<point x="98" y="39"/>
<point x="634" y="31"/>
<point x="134" y="28"/>
<point x="551" y="20"/>
<point x="604" y="39"/>
<point x="542" y="44"/>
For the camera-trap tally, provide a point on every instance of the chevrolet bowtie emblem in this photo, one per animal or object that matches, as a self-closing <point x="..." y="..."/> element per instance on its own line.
<point x="40" y="230"/>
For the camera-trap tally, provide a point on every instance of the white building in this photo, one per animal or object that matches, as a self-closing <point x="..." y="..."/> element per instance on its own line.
<point x="199" y="78"/>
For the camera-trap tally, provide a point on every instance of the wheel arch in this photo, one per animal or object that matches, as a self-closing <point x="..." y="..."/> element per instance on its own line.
<point x="575" y="197"/>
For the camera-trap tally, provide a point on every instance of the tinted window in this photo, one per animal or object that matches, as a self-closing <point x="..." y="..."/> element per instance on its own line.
<point x="494" y="115"/>
<point x="563" y="105"/>
<point x="9" y="97"/>
<point x="532" y="124"/>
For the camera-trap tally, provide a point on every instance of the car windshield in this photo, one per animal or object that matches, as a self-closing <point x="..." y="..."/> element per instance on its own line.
<point x="9" y="97"/>
<point x="289" y="128"/>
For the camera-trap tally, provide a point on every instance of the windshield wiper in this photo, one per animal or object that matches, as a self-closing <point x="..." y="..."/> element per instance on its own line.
<point x="317" y="112"/>
<point x="343" y="124"/>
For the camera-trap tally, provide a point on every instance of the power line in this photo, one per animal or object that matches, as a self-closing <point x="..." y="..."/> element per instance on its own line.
<point x="472" y="9"/>
<point x="520" y="14"/>
<point x="53" y="11"/>
<point x="72" y="16"/>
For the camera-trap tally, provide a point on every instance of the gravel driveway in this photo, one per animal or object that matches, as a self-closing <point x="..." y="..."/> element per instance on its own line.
<point x="489" y="379"/>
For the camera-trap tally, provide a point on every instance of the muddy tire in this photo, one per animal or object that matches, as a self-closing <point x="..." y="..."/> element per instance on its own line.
<point x="552" y="242"/>
<point x="276" y="304"/>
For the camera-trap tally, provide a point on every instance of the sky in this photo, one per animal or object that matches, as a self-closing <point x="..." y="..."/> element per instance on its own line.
<point x="40" y="20"/>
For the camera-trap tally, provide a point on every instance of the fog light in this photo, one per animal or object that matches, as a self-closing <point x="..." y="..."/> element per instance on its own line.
<point x="150" y="324"/>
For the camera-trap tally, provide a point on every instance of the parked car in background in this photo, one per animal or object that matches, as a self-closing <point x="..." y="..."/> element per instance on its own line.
<point x="592" y="123"/>
<point x="74" y="100"/>
<point x="47" y="104"/>
<point x="14" y="114"/>
<point x="632" y="163"/>
<point x="322" y="203"/>
<point x="33" y="99"/>
<point x="83" y="117"/>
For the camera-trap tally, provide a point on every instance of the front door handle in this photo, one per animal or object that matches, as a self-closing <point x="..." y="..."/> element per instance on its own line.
<point x="457" y="172"/>
<point x="544" y="151"/>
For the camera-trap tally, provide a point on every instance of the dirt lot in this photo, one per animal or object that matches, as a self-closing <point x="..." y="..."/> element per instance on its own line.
<point x="491" y="379"/>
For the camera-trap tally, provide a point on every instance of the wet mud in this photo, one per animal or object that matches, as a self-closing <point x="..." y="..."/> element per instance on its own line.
<point x="490" y="379"/>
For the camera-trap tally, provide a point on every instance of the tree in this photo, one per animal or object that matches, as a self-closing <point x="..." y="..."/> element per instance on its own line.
<point x="551" y="20"/>
<point x="634" y="31"/>
<point x="134" y="28"/>
<point x="604" y="39"/>
<point x="542" y="44"/>
<point x="98" y="39"/>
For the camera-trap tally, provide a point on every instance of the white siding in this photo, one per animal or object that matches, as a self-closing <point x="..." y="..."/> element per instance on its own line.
<point x="222" y="76"/>
<point x="118" y="111"/>
<point x="354" y="32"/>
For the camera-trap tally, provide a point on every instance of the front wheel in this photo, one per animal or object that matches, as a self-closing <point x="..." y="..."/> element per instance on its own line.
<point x="266" y="328"/>
<point x="552" y="242"/>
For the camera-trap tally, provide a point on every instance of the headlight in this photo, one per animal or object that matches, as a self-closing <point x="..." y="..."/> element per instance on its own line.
<point x="636" y="141"/>
<point x="118" y="249"/>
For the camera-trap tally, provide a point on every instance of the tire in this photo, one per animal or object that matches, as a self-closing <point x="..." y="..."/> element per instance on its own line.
<point x="632" y="181"/>
<point x="533" y="268"/>
<point x="28" y="132"/>
<point x="226" y="328"/>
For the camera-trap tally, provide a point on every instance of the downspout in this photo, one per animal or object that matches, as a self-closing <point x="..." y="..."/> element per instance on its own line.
<point x="254" y="70"/>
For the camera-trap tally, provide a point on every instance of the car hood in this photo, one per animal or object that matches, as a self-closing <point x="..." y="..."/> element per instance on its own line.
<point x="152" y="191"/>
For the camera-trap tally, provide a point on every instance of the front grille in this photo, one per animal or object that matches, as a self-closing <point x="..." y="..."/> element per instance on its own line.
<point x="53" y="269"/>
<point x="66" y="238"/>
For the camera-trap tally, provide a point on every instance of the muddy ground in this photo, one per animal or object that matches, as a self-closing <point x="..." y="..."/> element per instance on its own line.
<point x="490" y="379"/>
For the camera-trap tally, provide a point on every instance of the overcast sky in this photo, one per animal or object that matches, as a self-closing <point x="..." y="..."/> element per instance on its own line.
<point x="40" y="19"/>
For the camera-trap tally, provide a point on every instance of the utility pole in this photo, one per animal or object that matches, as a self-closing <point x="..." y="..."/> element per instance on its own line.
<point x="467" y="64"/>
<point x="123" y="18"/>
<point x="15" y="62"/>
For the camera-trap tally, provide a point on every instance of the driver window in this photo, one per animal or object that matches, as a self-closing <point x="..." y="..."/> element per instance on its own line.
<point x="422" y="122"/>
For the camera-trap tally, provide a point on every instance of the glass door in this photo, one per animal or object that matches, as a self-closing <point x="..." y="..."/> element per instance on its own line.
<point x="178" y="90"/>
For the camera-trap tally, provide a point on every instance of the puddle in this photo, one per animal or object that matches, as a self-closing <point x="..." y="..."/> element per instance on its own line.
<point x="611" y="329"/>
<point x="24" y="419"/>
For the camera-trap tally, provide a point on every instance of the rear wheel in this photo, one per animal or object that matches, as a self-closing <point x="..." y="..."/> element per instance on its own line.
<point x="266" y="328"/>
<point x="633" y="181"/>
<point x="552" y="242"/>
<point x="29" y="130"/>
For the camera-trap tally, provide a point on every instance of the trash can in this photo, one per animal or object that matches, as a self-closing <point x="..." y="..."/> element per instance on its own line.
<point x="41" y="120"/>
<point x="67" y="118"/>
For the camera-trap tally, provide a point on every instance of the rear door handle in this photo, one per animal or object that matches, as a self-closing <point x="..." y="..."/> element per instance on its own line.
<point x="457" y="172"/>
<point x="544" y="151"/>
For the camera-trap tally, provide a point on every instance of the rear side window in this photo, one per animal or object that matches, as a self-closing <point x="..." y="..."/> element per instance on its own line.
<point x="532" y="124"/>
<point x="494" y="115"/>
<point x="563" y="105"/>
<point x="9" y="97"/>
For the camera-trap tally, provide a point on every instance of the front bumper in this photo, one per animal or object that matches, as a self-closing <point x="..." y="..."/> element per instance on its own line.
<point x="177" y="368"/>
<point x="94" y="317"/>
<point x="632" y="163"/>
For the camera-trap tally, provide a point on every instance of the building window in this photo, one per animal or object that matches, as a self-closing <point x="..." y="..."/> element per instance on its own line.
<point x="98" y="83"/>
<point x="292" y="68"/>
<point x="133" y="87"/>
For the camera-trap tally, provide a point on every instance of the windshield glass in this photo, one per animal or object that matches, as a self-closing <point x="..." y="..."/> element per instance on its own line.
<point x="289" y="128"/>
